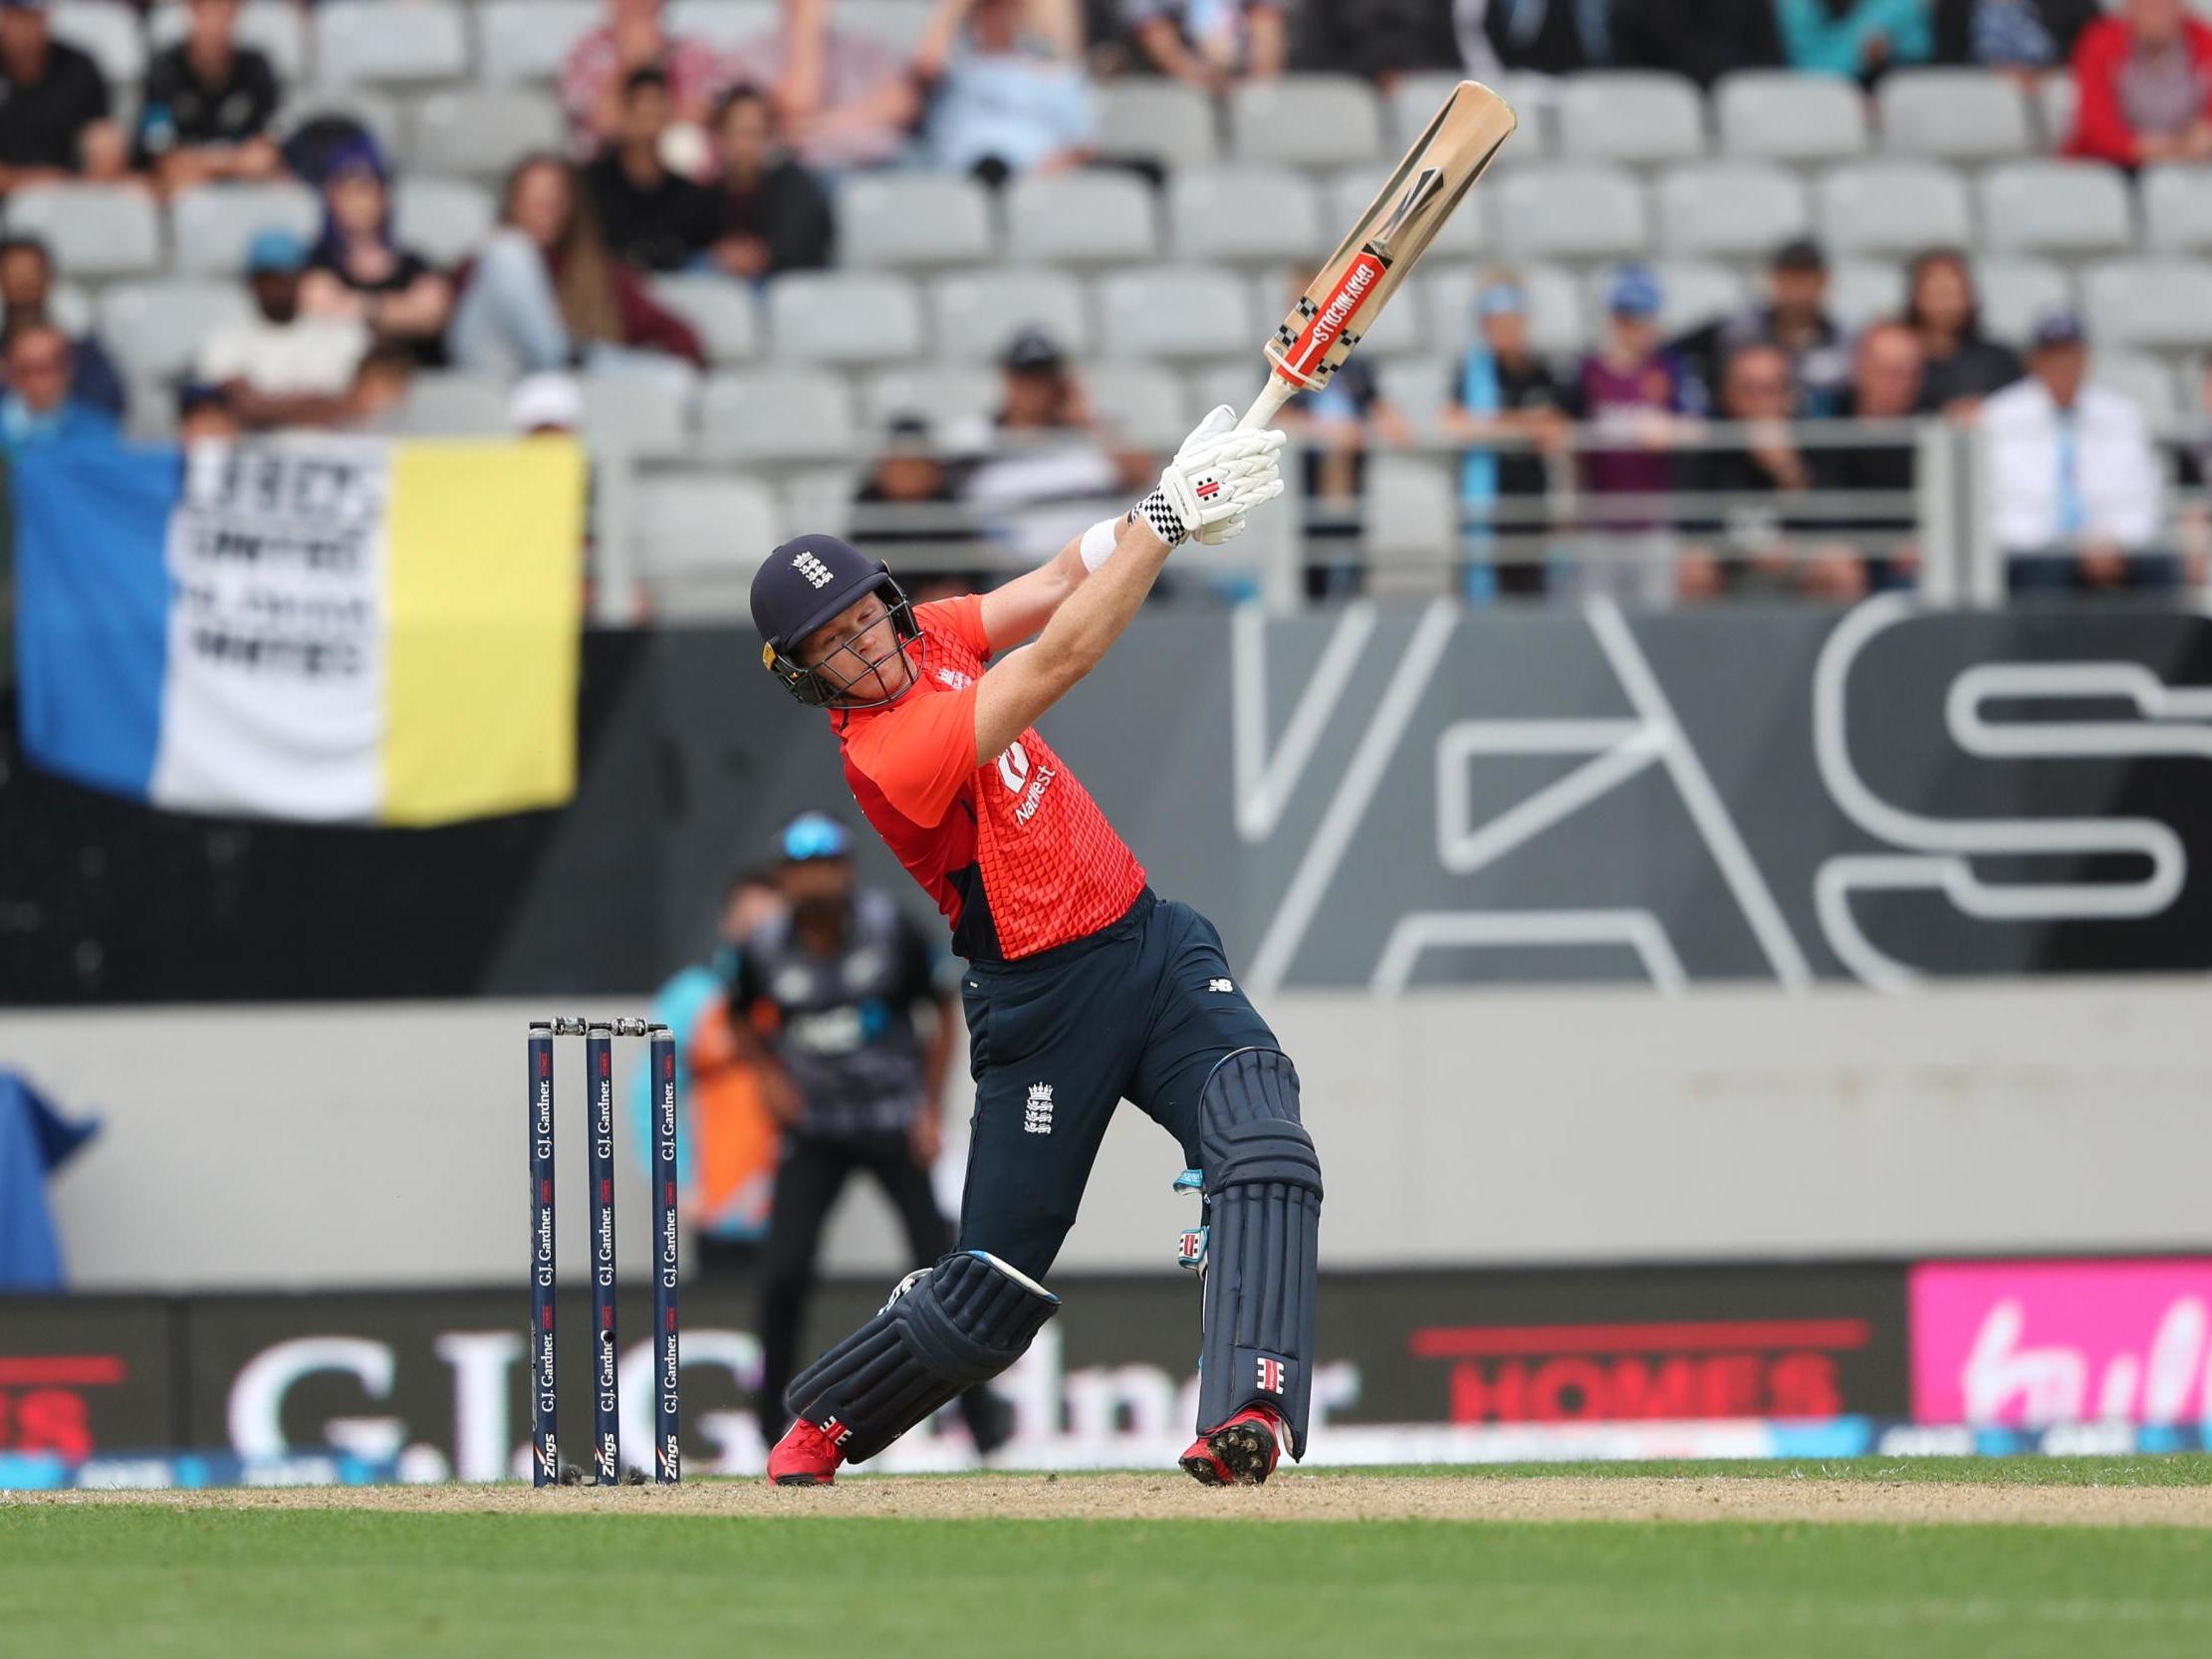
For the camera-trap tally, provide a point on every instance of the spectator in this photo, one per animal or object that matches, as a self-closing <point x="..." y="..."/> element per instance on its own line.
<point x="39" y="405"/>
<point x="2143" y="87"/>
<point x="27" y="294"/>
<point x="1747" y="553"/>
<point x="911" y="497"/>
<point x="54" y="110"/>
<point x="1506" y="391"/>
<point x="545" y="293"/>
<point x="1376" y="40"/>
<point x="1857" y="38"/>
<point x="546" y="405"/>
<point x="1210" y="43"/>
<point x="380" y="387"/>
<point x="283" y="367"/>
<point x="842" y="100"/>
<point x="1335" y="425"/>
<point x="359" y="273"/>
<point x="1794" y="317"/>
<point x="652" y="218"/>
<point x="1006" y="97"/>
<point x="1963" y="365"/>
<point x="1634" y="393"/>
<point x="1548" y="37"/>
<point x="2074" y="476"/>
<point x="207" y="107"/>
<point x="2020" y="37"/>
<point x="632" y="38"/>
<point x="1886" y="371"/>
<point x="773" y="215"/>
<point x="205" y="415"/>
<point x="1042" y="464"/>
<point x="1702" y="39"/>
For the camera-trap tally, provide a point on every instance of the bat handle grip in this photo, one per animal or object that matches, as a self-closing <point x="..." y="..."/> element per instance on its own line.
<point x="1273" y="397"/>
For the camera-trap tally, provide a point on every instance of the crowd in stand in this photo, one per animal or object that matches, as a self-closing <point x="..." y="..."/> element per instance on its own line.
<point x="683" y="158"/>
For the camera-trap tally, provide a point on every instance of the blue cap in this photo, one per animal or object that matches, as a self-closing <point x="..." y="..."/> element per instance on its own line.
<point x="1501" y="299"/>
<point x="815" y="836"/>
<point x="275" y="250"/>
<point x="1635" y="292"/>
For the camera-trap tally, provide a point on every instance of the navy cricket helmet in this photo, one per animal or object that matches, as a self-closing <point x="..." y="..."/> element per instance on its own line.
<point x="803" y="584"/>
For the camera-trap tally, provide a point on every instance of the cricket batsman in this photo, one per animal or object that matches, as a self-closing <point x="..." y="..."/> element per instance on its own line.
<point x="1083" y="986"/>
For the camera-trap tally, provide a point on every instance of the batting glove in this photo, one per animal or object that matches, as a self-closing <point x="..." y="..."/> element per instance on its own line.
<point x="1219" y="474"/>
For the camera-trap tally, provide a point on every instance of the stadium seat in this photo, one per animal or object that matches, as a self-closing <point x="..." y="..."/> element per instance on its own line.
<point x="155" y="329"/>
<point x="1231" y="380"/>
<point x="373" y="111"/>
<point x="976" y="313"/>
<point x="1730" y="209"/>
<point x="639" y="413"/>
<point x="1779" y="116"/>
<point x="107" y="31"/>
<point x="481" y="131"/>
<point x="1172" y="311"/>
<point x="1692" y="291"/>
<point x="1955" y="114"/>
<point x="443" y="219"/>
<point x="2150" y="303"/>
<point x="696" y="539"/>
<point x="845" y="317"/>
<point x="1245" y="214"/>
<point x="818" y="498"/>
<point x="2070" y="208"/>
<point x="528" y="40"/>
<point x="1084" y="218"/>
<point x="946" y="395"/>
<point x="1634" y="118"/>
<point x="442" y="405"/>
<point x="1305" y="120"/>
<point x="1409" y="532"/>
<point x="94" y="230"/>
<point x="1896" y="208"/>
<point x="1557" y="325"/>
<point x="2014" y="293"/>
<point x="723" y="24"/>
<point x="274" y="28"/>
<point x="2056" y="96"/>
<point x="374" y="40"/>
<point x="1140" y="402"/>
<point x="1863" y="291"/>
<point x="1163" y="120"/>
<point x="1575" y="210"/>
<point x="2177" y="209"/>
<point x="778" y="413"/>
<point x="2147" y="380"/>
<point x="724" y="314"/>
<point x="898" y="24"/>
<point x="1419" y="389"/>
<point x="1465" y="235"/>
<point x="913" y="219"/>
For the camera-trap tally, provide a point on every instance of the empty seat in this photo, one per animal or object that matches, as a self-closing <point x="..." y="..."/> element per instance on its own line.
<point x="443" y="219"/>
<point x="1955" y="114"/>
<point x="1863" y="291"/>
<point x="1084" y="218"/>
<point x="442" y="406"/>
<point x="528" y="40"/>
<point x="2056" y="97"/>
<point x="273" y="28"/>
<point x="778" y="413"/>
<point x="2177" y="209"/>
<point x="1893" y="207"/>
<point x="107" y="31"/>
<point x="1231" y="380"/>
<point x="1779" y="116"/>
<point x="1140" y="402"/>
<point x="2014" y="293"/>
<point x="2147" y="380"/>
<point x="1730" y="209"/>
<point x="913" y="218"/>
<point x="482" y="129"/>
<point x="722" y="313"/>
<point x="2151" y="304"/>
<point x="1172" y="311"/>
<point x="1165" y="120"/>
<point x="640" y="413"/>
<point x="1557" y="322"/>
<point x="1581" y="210"/>
<point x="898" y="24"/>
<point x="697" y="541"/>
<point x="726" y="22"/>
<point x="1692" y="293"/>
<point x="850" y="316"/>
<point x="390" y="40"/>
<point x="94" y="230"/>
<point x="1465" y="235"/>
<point x="1419" y="389"/>
<point x="1245" y="214"/>
<point x="1637" y="119"/>
<point x="949" y="397"/>
<point x="1305" y="120"/>
<point x="977" y="312"/>
<point x="1409" y="530"/>
<point x="2058" y="207"/>
<point x="818" y="499"/>
<point x="155" y="329"/>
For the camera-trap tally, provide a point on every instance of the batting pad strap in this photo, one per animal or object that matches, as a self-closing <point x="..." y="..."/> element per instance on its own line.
<point x="959" y="1323"/>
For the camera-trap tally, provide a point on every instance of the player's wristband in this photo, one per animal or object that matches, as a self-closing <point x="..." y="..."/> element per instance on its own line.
<point x="1156" y="512"/>
<point x="1097" y="543"/>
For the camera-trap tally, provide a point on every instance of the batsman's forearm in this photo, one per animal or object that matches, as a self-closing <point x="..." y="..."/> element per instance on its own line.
<point x="1091" y="618"/>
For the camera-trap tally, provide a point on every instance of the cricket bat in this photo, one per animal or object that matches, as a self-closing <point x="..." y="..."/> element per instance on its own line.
<point x="1342" y="302"/>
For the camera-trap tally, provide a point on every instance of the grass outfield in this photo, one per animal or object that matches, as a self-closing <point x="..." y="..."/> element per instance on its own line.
<point x="187" y="1578"/>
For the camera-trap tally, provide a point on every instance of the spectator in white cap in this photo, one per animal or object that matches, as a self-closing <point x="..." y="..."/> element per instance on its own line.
<point x="544" y="405"/>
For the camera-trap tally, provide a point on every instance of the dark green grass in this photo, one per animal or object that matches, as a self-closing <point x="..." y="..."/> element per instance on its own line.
<point x="153" y="1582"/>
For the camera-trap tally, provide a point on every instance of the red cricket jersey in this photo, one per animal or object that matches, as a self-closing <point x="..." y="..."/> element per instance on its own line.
<point x="1015" y="851"/>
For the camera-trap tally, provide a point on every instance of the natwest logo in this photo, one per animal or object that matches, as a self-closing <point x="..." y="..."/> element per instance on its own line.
<point x="1675" y="1369"/>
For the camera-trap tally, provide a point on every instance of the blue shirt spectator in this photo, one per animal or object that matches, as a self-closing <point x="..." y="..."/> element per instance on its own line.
<point x="27" y="295"/>
<point x="1857" y="37"/>
<point x="38" y="405"/>
<point x="1004" y="99"/>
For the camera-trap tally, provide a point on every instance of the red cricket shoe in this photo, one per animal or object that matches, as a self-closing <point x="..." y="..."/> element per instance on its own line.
<point x="808" y="1454"/>
<point x="1242" y="1452"/>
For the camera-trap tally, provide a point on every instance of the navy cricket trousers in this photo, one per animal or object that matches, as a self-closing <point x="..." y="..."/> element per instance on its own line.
<point x="1141" y="1009"/>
